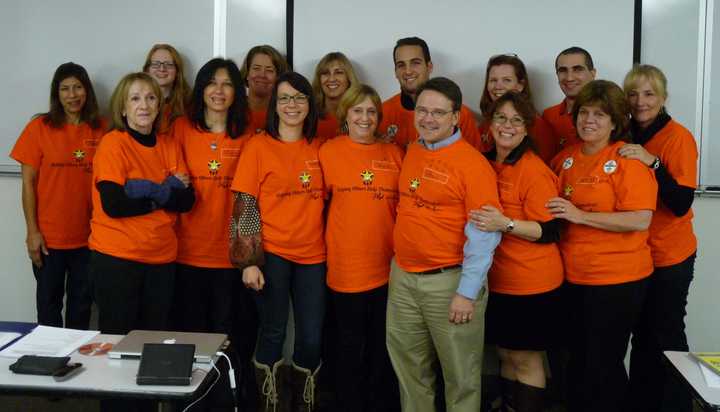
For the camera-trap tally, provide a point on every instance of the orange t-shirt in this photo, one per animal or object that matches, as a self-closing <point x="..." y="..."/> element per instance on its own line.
<point x="148" y="238"/>
<point x="672" y="239"/>
<point x="212" y="160"/>
<point x="562" y="125"/>
<point x="258" y="119"/>
<point x="606" y="182"/>
<point x="362" y="182"/>
<point x="398" y="123"/>
<point x="542" y="136"/>
<point x="287" y="181"/>
<point x="521" y="267"/>
<point x="62" y="159"/>
<point x="327" y="128"/>
<point x="438" y="188"/>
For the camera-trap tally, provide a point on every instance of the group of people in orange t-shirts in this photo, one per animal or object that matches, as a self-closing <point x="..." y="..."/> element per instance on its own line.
<point x="571" y="234"/>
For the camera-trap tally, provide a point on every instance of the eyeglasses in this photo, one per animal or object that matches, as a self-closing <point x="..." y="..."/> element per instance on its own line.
<point x="435" y="114"/>
<point x="165" y="65"/>
<point x="299" y="99"/>
<point x="502" y="119"/>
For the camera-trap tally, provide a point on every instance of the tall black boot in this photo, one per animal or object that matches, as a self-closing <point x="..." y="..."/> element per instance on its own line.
<point x="507" y="396"/>
<point x="529" y="398"/>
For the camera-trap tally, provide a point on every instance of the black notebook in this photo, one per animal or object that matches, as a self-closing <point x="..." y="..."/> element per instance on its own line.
<point x="166" y="364"/>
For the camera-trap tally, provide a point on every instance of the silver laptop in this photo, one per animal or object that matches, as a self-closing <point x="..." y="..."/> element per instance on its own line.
<point x="131" y="346"/>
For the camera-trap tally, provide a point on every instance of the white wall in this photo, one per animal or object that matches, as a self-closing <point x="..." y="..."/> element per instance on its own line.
<point x="703" y="321"/>
<point x="17" y="284"/>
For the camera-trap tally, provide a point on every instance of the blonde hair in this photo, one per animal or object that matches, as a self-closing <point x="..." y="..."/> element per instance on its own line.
<point x="354" y="96"/>
<point x="652" y="74"/>
<point x="120" y="95"/>
<point x="281" y="65"/>
<point x="180" y="93"/>
<point x="322" y="68"/>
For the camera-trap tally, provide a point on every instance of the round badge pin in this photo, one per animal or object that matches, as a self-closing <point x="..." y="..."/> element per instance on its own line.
<point x="610" y="167"/>
<point x="567" y="163"/>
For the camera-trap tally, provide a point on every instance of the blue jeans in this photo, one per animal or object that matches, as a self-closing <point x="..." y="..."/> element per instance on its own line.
<point x="306" y="285"/>
<point x="52" y="284"/>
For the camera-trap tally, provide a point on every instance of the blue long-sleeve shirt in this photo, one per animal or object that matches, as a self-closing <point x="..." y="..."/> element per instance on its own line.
<point x="479" y="247"/>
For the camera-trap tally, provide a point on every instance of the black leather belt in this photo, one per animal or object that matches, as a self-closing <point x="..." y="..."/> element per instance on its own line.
<point x="438" y="270"/>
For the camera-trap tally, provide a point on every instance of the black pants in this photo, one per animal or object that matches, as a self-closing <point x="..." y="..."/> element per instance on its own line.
<point x="203" y="302"/>
<point x="243" y="338"/>
<point x="63" y="271"/>
<point x="601" y="320"/>
<point x="661" y="327"/>
<point x="204" y="299"/>
<point x="365" y="378"/>
<point x="131" y="295"/>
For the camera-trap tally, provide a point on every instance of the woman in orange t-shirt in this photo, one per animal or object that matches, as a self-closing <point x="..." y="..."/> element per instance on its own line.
<point x="260" y="70"/>
<point x="524" y="307"/>
<point x="56" y="150"/>
<point x="608" y="202"/>
<point x="140" y="183"/>
<point x="166" y="66"/>
<point x="334" y="74"/>
<point x="361" y="175"/>
<point x="504" y="73"/>
<point x="277" y="237"/>
<point x="670" y="149"/>
<point x="210" y="140"/>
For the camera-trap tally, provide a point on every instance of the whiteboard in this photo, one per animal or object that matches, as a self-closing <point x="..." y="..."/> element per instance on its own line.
<point x="254" y="22"/>
<point x="108" y="38"/>
<point x="710" y="144"/>
<point x="463" y="34"/>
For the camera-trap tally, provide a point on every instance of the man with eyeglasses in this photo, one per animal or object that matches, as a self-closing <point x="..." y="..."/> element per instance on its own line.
<point x="437" y="292"/>
<point x="574" y="68"/>
<point x="413" y="66"/>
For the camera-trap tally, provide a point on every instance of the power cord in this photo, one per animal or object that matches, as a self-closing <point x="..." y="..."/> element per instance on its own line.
<point x="212" y="363"/>
<point x="231" y="376"/>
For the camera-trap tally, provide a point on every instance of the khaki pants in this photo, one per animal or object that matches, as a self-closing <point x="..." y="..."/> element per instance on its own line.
<point x="418" y="332"/>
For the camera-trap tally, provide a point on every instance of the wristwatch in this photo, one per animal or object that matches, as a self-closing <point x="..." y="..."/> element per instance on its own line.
<point x="510" y="226"/>
<point x="655" y="165"/>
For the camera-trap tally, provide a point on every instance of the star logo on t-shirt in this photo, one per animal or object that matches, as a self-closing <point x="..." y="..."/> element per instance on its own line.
<point x="567" y="191"/>
<point x="414" y="184"/>
<point x="367" y="177"/>
<point x="305" y="179"/>
<point x="78" y="155"/>
<point x="214" y="166"/>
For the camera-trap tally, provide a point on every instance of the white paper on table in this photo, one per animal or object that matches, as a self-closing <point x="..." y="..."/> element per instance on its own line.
<point x="712" y="379"/>
<point x="7" y="337"/>
<point x="49" y="341"/>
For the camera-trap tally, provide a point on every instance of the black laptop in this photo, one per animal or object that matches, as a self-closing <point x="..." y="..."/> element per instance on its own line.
<point x="166" y="364"/>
